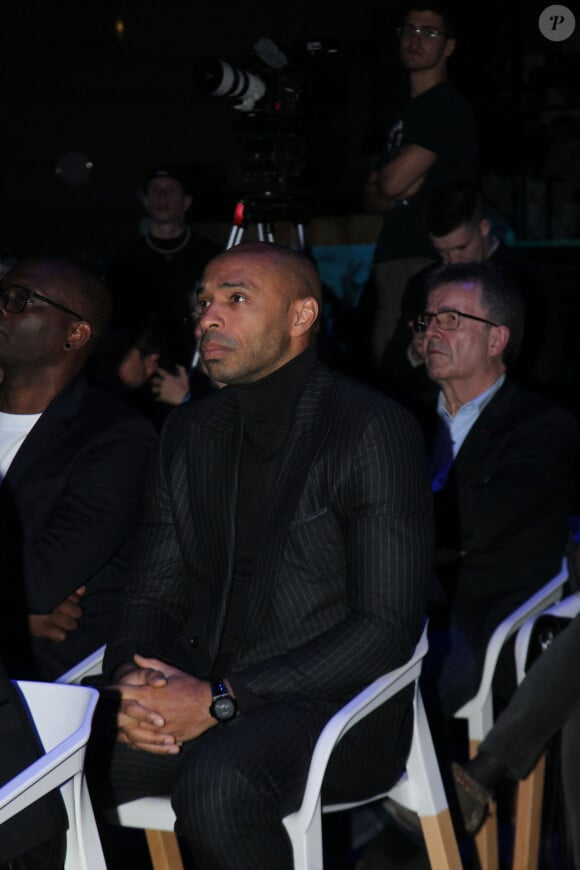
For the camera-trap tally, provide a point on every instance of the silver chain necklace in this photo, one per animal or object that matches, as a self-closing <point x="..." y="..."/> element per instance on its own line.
<point x="168" y="252"/>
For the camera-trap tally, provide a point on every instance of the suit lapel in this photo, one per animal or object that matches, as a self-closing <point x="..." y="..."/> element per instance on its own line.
<point x="476" y="445"/>
<point x="47" y="431"/>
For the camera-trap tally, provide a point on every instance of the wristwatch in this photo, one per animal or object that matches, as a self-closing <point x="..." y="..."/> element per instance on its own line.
<point x="223" y="705"/>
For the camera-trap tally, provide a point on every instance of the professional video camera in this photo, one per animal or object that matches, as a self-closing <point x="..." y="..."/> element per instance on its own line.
<point x="270" y="149"/>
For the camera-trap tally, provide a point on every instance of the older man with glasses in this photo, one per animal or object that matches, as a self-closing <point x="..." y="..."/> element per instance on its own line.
<point x="502" y="466"/>
<point x="431" y="140"/>
<point x="72" y="464"/>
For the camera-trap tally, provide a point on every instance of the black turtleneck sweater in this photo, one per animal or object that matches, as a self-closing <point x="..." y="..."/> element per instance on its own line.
<point x="267" y="409"/>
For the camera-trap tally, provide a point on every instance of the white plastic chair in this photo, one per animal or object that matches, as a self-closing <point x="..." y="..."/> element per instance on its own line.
<point x="419" y="788"/>
<point x="62" y="716"/>
<point x="478" y="712"/>
<point x="528" y="821"/>
<point x="154" y="815"/>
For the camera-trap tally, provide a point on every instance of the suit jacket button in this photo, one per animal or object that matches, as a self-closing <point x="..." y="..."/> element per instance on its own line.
<point x="194" y="642"/>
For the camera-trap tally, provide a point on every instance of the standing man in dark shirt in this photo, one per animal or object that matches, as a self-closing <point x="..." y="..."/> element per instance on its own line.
<point x="157" y="273"/>
<point x="283" y="563"/>
<point x="432" y="140"/>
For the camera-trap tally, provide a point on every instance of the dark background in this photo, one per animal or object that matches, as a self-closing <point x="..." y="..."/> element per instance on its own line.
<point x="69" y="83"/>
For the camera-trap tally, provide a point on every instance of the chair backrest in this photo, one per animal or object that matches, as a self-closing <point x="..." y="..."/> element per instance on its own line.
<point x="419" y="788"/>
<point x="62" y="716"/>
<point x="479" y="710"/>
<point x="347" y="717"/>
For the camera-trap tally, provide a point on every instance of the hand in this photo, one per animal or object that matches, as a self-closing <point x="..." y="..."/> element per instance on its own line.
<point x="58" y="624"/>
<point x="161" y="707"/>
<point x="170" y="388"/>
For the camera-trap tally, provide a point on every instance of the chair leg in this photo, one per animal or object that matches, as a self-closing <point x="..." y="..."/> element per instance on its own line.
<point x="486" y="840"/>
<point x="440" y="841"/>
<point x="529" y="818"/>
<point x="164" y="850"/>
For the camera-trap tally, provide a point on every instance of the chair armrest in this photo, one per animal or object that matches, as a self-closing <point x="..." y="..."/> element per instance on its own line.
<point x="569" y="607"/>
<point x="538" y="602"/>
<point x="381" y="690"/>
<point x="93" y="664"/>
<point x="61" y="762"/>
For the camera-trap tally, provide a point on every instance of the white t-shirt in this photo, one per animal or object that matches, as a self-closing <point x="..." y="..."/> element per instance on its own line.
<point x="13" y="430"/>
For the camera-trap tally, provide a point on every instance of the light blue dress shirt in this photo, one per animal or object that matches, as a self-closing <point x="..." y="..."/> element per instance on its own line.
<point x="453" y="430"/>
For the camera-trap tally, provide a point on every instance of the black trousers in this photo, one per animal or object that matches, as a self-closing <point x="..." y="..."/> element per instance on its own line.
<point x="231" y="787"/>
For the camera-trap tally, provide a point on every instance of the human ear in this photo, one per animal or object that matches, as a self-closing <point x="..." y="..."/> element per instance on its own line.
<point x="305" y="312"/>
<point x="484" y="227"/>
<point x="499" y="337"/>
<point x="79" y="335"/>
<point x="450" y="45"/>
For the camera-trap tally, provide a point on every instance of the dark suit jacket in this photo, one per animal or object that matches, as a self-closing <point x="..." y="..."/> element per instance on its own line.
<point x="68" y="504"/>
<point x="507" y="498"/>
<point x="19" y="747"/>
<point x="338" y="590"/>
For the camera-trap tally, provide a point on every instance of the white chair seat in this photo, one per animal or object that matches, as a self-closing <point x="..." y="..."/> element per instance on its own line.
<point x="149" y="812"/>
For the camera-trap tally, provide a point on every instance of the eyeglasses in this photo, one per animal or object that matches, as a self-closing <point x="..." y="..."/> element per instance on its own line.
<point x="14" y="299"/>
<point x="422" y="31"/>
<point x="445" y="320"/>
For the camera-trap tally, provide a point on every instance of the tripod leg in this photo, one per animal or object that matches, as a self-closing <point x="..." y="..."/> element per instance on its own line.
<point x="301" y="236"/>
<point x="235" y="237"/>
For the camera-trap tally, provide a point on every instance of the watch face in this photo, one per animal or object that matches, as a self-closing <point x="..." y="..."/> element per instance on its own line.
<point x="224" y="707"/>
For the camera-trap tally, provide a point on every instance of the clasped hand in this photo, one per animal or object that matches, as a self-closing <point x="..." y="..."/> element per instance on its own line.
<point x="161" y="707"/>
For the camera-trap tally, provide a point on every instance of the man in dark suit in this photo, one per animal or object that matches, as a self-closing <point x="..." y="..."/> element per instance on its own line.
<point x="502" y="468"/>
<point x="282" y="566"/>
<point x="72" y="465"/>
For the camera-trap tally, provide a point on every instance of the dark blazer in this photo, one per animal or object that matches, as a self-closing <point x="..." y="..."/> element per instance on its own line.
<point x="68" y="505"/>
<point x="19" y="747"/>
<point x="507" y="497"/>
<point x="338" y="591"/>
<point x="505" y="505"/>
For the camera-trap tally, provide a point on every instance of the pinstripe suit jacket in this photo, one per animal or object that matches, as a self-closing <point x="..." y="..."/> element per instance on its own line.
<point x="338" y="591"/>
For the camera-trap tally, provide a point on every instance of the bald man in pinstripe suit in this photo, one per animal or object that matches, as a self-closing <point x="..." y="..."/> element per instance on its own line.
<point x="285" y="549"/>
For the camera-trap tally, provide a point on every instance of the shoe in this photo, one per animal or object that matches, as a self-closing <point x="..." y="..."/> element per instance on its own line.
<point x="474" y="799"/>
<point x="405" y="819"/>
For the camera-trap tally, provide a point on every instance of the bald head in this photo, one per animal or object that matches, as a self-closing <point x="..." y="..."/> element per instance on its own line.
<point x="259" y="307"/>
<point x="296" y="274"/>
<point x="73" y="285"/>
